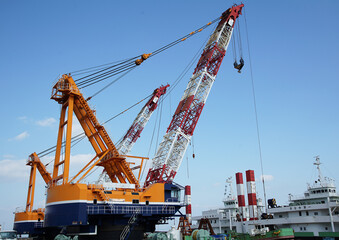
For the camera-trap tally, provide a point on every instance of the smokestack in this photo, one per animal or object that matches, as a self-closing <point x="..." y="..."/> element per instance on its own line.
<point x="251" y="194"/>
<point x="241" y="194"/>
<point x="188" y="203"/>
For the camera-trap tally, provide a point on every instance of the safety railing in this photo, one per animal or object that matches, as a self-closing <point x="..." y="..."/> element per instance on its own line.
<point x="113" y="209"/>
<point x="38" y="224"/>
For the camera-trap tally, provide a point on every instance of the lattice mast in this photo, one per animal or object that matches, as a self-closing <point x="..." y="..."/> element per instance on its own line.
<point x="133" y="133"/>
<point x="174" y="144"/>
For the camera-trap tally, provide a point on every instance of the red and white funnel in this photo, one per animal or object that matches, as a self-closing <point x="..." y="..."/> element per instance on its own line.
<point x="241" y="194"/>
<point x="251" y="194"/>
<point x="188" y="203"/>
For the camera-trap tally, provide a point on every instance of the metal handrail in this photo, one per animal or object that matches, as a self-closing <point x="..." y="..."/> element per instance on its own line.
<point x="105" y="209"/>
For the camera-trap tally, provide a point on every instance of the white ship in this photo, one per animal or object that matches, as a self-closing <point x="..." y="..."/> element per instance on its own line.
<point x="314" y="214"/>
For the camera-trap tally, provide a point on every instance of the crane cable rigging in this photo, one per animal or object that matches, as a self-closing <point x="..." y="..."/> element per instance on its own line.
<point x="82" y="135"/>
<point x="105" y="71"/>
<point x="76" y="139"/>
<point x="256" y="114"/>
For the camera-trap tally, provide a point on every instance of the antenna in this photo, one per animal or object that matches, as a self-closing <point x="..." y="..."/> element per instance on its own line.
<point x="317" y="163"/>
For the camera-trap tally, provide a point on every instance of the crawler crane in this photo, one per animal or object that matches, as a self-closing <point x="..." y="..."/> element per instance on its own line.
<point x="125" y="208"/>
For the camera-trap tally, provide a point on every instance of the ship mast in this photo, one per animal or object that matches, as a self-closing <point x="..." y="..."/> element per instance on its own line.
<point x="317" y="163"/>
<point x="229" y="184"/>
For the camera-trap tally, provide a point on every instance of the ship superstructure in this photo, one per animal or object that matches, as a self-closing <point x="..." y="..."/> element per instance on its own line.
<point x="314" y="213"/>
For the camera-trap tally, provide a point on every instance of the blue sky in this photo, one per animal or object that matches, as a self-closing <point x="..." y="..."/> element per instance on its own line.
<point x="294" y="50"/>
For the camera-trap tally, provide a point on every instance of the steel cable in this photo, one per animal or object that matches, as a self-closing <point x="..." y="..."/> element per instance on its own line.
<point x="111" y="75"/>
<point x="81" y="136"/>
<point x="86" y="81"/>
<point x="103" y="73"/>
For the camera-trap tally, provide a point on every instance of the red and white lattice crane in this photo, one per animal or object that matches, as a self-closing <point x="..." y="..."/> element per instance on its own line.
<point x="133" y="133"/>
<point x="171" y="150"/>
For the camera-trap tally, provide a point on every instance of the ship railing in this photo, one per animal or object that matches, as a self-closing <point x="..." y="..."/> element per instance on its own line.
<point x="39" y="225"/>
<point x="296" y="197"/>
<point x="19" y="209"/>
<point x="105" y="209"/>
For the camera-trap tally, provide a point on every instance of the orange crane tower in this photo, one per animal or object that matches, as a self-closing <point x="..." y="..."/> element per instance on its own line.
<point x="30" y="221"/>
<point x="66" y="93"/>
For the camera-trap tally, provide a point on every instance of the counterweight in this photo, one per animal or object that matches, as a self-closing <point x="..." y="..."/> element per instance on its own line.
<point x="171" y="150"/>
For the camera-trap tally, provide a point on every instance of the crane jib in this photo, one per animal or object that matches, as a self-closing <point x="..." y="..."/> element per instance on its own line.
<point x="171" y="150"/>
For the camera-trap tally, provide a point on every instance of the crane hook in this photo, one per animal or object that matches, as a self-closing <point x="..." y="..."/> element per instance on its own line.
<point x="240" y="65"/>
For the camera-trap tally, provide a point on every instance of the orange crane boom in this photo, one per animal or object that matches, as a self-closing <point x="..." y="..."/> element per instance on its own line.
<point x="35" y="163"/>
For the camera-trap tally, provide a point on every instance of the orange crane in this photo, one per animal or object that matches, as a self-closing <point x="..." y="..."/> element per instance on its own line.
<point x="30" y="221"/>
<point x="83" y="207"/>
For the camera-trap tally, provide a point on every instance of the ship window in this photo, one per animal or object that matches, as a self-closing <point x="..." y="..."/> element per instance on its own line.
<point x="299" y="213"/>
<point x="322" y="201"/>
<point x="301" y="228"/>
<point x="95" y="201"/>
<point x="147" y="202"/>
<point x="280" y="216"/>
<point x="135" y="201"/>
<point x="326" y="228"/>
<point x="333" y="190"/>
<point x="306" y="213"/>
<point x="305" y="228"/>
<point x="175" y="193"/>
<point x="323" y="191"/>
<point x="315" y="213"/>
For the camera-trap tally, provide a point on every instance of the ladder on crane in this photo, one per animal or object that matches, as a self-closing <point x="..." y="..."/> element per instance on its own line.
<point x="131" y="222"/>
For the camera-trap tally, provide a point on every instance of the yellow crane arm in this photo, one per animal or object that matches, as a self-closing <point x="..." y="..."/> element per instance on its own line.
<point x="35" y="163"/>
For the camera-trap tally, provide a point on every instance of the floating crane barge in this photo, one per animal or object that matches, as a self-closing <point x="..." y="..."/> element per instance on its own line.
<point x="122" y="208"/>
